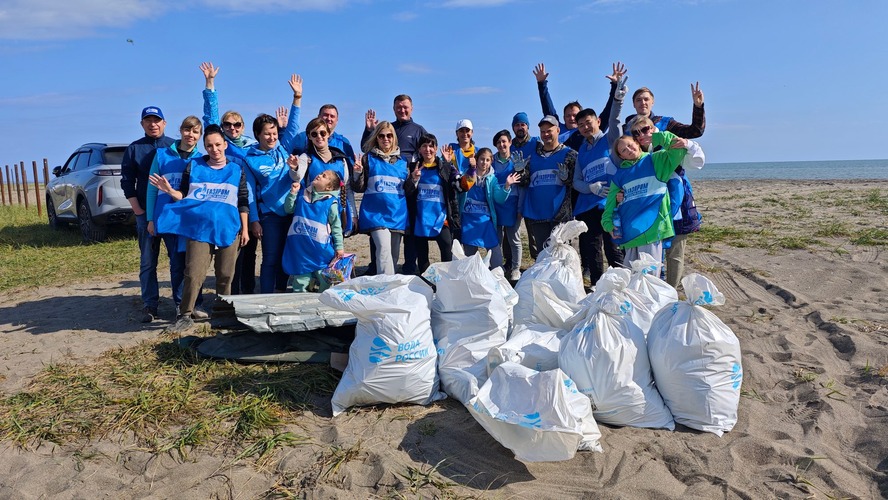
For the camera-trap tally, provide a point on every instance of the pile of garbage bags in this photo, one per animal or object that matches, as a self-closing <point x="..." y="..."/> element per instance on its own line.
<point x="540" y="364"/>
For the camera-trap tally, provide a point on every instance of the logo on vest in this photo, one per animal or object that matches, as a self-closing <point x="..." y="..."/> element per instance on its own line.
<point x="300" y="228"/>
<point x="204" y="193"/>
<point x="429" y="194"/>
<point x="387" y="185"/>
<point x="544" y="178"/>
<point x="476" y="207"/>
<point x="637" y="191"/>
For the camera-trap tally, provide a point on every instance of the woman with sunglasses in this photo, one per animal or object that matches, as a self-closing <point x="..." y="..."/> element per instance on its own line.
<point x="383" y="212"/>
<point x="320" y="156"/>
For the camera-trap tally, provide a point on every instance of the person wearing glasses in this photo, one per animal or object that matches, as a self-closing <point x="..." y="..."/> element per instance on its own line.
<point x="232" y="122"/>
<point x="383" y="212"/>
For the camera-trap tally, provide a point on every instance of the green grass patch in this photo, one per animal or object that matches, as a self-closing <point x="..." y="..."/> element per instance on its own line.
<point x="741" y="238"/>
<point x="832" y="229"/>
<point x="34" y="254"/>
<point x="796" y="242"/>
<point x="872" y="236"/>
<point x="169" y="400"/>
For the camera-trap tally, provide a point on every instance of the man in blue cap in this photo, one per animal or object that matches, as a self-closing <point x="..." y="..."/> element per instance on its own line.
<point x="134" y="169"/>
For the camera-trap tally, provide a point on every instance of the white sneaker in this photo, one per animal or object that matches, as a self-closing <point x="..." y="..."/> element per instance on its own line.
<point x="515" y="275"/>
<point x="199" y="314"/>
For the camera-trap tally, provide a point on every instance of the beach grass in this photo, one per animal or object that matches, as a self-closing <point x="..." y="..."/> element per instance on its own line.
<point x="169" y="400"/>
<point x="34" y="254"/>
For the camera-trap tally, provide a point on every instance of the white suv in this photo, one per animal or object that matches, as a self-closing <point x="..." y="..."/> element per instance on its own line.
<point x="86" y="190"/>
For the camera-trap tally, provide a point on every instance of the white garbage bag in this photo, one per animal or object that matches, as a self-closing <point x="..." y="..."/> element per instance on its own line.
<point x="540" y="416"/>
<point x="695" y="358"/>
<point x="393" y="356"/>
<point x="470" y="315"/>
<point x="558" y="264"/>
<point x="614" y="283"/>
<point x="606" y="356"/>
<point x="646" y="280"/>
<point x="534" y="346"/>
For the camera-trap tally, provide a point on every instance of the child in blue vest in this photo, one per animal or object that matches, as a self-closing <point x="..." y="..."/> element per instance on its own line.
<point x="314" y="241"/>
<point x="479" y="193"/>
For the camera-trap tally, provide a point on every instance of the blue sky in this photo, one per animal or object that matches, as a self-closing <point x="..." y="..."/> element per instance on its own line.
<point x="783" y="80"/>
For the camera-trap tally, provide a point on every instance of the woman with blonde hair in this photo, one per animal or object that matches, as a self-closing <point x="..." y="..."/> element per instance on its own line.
<point x="380" y="175"/>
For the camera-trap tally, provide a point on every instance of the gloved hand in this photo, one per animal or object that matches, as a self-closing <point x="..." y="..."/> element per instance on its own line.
<point x="563" y="174"/>
<point x="519" y="161"/>
<point x="600" y="188"/>
<point x="620" y="91"/>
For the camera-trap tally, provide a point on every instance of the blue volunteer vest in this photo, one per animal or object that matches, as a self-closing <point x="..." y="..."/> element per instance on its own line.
<point x="462" y="162"/>
<point x="528" y="148"/>
<point x="675" y="188"/>
<point x="272" y="175"/>
<point x="595" y="166"/>
<point x="315" y="168"/>
<point x="477" y="224"/>
<point x="170" y="165"/>
<point x="642" y="195"/>
<point x="384" y="205"/>
<point x="507" y="211"/>
<point x="209" y="212"/>
<point x="690" y="216"/>
<point x="431" y="210"/>
<point x="309" y="244"/>
<point x="546" y="192"/>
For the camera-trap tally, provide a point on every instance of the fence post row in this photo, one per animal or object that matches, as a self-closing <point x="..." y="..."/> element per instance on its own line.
<point x="24" y="183"/>
<point x="2" y="190"/>
<point x="37" y="189"/>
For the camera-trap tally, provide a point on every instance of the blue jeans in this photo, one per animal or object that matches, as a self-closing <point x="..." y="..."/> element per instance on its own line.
<point x="149" y="249"/>
<point x="274" y="236"/>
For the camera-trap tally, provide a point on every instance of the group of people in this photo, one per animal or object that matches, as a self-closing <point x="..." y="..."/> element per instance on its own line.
<point x="295" y="191"/>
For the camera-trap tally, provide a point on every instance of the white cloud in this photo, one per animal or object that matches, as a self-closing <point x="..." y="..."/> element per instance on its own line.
<point x="475" y="91"/>
<point x="474" y="3"/>
<point x="405" y="16"/>
<point x="61" y="19"/>
<point x="418" y="69"/>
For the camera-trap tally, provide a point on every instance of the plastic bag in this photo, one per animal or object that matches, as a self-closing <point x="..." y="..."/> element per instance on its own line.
<point x="558" y="265"/>
<point x="469" y="316"/>
<point x="645" y="279"/>
<point x="534" y="346"/>
<point x="540" y="416"/>
<point x="614" y="283"/>
<point x="340" y="271"/>
<point x="695" y="358"/>
<point x="606" y="355"/>
<point x="393" y="356"/>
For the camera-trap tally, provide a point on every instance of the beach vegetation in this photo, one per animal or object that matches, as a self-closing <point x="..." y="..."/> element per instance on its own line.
<point x="871" y="236"/>
<point x="803" y="375"/>
<point x="832" y="229"/>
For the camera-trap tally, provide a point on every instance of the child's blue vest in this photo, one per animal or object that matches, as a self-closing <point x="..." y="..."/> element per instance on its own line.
<point x="507" y="211"/>
<point x="431" y="208"/>
<point x="315" y="168"/>
<point x="477" y="224"/>
<point x="309" y="244"/>
<point x="642" y="195"/>
<point x="209" y="212"/>
<point x="383" y="204"/>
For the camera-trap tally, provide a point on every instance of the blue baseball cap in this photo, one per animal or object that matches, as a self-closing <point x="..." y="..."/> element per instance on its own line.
<point x="152" y="111"/>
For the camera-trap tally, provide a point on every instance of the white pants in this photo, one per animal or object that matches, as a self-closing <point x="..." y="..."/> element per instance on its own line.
<point x="388" y="246"/>
<point x="654" y="249"/>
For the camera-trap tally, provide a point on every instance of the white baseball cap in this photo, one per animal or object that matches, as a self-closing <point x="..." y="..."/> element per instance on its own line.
<point x="464" y="124"/>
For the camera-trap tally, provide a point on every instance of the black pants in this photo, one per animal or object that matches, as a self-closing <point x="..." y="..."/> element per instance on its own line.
<point x="591" y="243"/>
<point x="445" y="242"/>
<point x="245" y="269"/>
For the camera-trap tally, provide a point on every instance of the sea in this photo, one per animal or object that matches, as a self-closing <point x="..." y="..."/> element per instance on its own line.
<point x="807" y="170"/>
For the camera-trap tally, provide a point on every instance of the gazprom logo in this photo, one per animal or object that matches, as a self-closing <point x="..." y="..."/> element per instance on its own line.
<point x="379" y="351"/>
<point x="638" y="191"/>
<point x="545" y="178"/>
<point x="387" y="185"/>
<point x="200" y="193"/>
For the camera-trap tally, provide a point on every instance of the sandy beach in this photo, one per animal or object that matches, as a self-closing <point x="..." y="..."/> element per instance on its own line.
<point x="803" y="266"/>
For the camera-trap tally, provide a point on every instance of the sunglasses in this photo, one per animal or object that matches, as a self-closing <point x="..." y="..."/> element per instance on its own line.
<point x="318" y="133"/>
<point x="386" y="136"/>
<point x="641" y="131"/>
<point x="232" y="124"/>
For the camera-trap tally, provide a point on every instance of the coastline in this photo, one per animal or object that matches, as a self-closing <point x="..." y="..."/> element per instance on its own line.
<point x="803" y="265"/>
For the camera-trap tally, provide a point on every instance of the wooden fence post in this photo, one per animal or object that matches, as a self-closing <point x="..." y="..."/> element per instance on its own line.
<point x="2" y="190"/>
<point x="37" y="189"/>
<point x="45" y="172"/>
<point x="18" y="188"/>
<point x="25" y="183"/>
<point x="9" y="184"/>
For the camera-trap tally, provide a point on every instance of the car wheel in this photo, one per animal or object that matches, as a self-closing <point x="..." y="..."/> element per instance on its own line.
<point x="54" y="221"/>
<point x="89" y="229"/>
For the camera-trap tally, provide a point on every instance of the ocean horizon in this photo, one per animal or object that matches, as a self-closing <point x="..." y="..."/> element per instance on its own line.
<point x="807" y="170"/>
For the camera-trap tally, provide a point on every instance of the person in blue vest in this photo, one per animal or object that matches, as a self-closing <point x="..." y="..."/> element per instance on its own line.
<point x="547" y="200"/>
<point x="320" y="155"/>
<point x="464" y="147"/>
<point x="524" y="145"/>
<point x="210" y="209"/>
<point x="381" y="175"/>
<point x="314" y="241"/>
<point x="269" y="178"/>
<point x="643" y="220"/>
<point x="134" y="169"/>
<point x="170" y="163"/>
<point x="508" y="213"/>
<point x="570" y="135"/>
<point x="592" y="182"/>
<point x="480" y="191"/>
<point x="432" y="187"/>
<point x="686" y="218"/>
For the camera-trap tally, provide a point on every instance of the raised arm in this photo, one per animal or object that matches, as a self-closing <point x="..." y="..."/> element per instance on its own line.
<point x="619" y="71"/>
<point x="370" y="123"/>
<point x="614" y="129"/>
<point x="210" y="100"/>
<point x="539" y="71"/>
<point x="288" y="134"/>
<point x="698" y="118"/>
